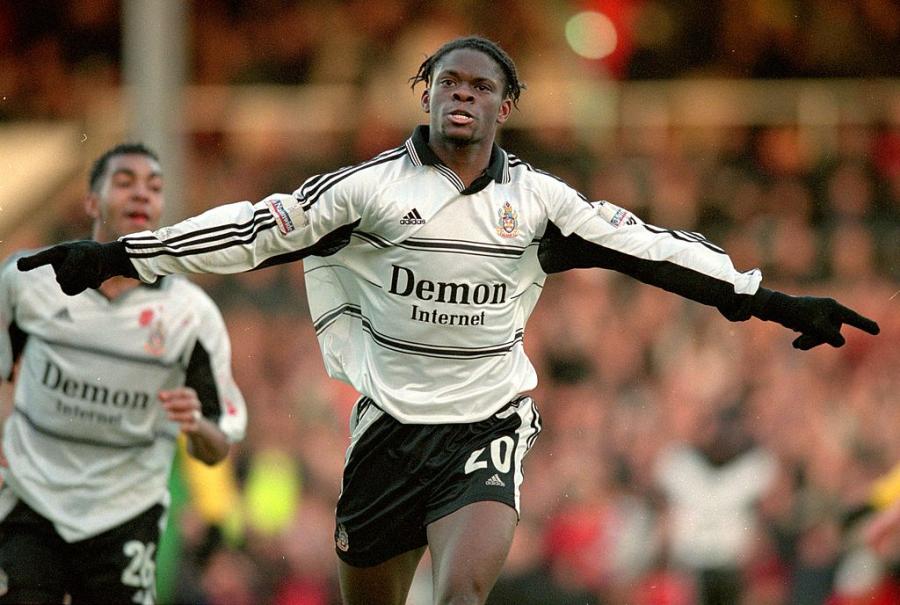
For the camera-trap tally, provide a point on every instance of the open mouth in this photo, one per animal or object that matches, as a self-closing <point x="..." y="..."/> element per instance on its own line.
<point x="137" y="217"/>
<point x="460" y="117"/>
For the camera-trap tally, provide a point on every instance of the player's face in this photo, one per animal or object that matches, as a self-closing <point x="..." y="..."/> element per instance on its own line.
<point x="466" y="98"/>
<point x="129" y="198"/>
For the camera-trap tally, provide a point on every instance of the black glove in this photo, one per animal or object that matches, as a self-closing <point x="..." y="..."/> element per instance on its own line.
<point x="82" y="264"/>
<point x="818" y="320"/>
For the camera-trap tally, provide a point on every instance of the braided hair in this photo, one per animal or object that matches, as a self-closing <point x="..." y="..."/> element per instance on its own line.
<point x="513" y="88"/>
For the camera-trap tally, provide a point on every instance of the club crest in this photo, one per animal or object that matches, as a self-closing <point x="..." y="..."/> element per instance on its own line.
<point x="508" y="223"/>
<point x="341" y="539"/>
<point x="156" y="338"/>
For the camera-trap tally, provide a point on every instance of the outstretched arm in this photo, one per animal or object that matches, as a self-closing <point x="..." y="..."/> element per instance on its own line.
<point x="226" y="239"/>
<point x="686" y="264"/>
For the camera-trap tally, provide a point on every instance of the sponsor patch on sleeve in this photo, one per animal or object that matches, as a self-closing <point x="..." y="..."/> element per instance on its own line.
<point x="614" y="215"/>
<point x="287" y="211"/>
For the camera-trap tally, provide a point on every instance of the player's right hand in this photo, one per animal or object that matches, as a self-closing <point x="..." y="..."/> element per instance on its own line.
<point x="80" y="265"/>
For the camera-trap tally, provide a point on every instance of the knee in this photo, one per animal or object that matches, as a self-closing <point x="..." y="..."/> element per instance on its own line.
<point x="462" y="592"/>
<point x="460" y="599"/>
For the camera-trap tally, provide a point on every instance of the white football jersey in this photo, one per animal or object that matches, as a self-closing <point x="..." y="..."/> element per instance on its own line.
<point x="88" y="443"/>
<point x="420" y="288"/>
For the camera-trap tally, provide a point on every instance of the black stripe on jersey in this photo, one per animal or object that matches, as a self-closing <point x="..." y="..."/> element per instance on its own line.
<point x="413" y="347"/>
<point x="413" y="155"/>
<point x="425" y="350"/>
<point x="535" y="423"/>
<point x="361" y="406"/>
<point x="259" y="217"/>
<point x="221" y="242"/>
<point x="310" y="195"/>
<point x="516" y="161"/>
<point x="235" y="235"/>
<point x="153" y="361"/>
<point x="450" y="176"/>
<point x="685" y="236"/>
<point x="444" y="245"/>
<point x="328" y="317"/>
<point x="72" y="439"/>
<point x="311" y="183"/>
<point x="375" y="240"/>
<point x="450" y="245"/>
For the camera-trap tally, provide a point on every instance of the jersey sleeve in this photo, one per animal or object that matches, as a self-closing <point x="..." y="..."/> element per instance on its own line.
<point x="600" y="234"/>
<point x="242" y="236"/>
<point x="209" y="374"/>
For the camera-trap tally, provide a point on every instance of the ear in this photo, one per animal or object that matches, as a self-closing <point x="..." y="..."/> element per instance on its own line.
<point x="92" y="205"/>
<point x="426" y="98"/>
<point x="505" y="110"/>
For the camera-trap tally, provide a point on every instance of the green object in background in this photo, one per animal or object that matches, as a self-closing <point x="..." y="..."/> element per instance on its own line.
<point x="169" y="551"/>
<point x="271" y="491"/>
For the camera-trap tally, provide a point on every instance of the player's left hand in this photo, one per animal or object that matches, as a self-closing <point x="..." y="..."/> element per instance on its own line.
<point x="825" y="318"/>
<point x="182" y="406"/>
<point x="819" y="320"/>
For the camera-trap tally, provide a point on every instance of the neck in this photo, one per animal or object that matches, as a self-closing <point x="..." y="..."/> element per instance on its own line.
<point x="115" y="287"/>
<point x="468" y="161"/>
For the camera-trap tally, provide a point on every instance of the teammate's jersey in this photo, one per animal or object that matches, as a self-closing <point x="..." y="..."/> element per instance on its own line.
<point x="420" y="288"/>
<point x="88" y="442"/>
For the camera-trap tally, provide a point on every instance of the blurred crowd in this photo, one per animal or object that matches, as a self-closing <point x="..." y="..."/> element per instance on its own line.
<point x="684" y="459"/>
<point x="54" y="55"/>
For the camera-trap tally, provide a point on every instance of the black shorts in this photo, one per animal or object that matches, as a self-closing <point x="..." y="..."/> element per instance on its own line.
<point x="117" y="566"/>
<point x="398" y="478"/>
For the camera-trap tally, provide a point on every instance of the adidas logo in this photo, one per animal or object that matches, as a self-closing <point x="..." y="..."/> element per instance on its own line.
<point x="495" y="480"/>
<point x="412" y="218"/>
<point x="63" y="315"/>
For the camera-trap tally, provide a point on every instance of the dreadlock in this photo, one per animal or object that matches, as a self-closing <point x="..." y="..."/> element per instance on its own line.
<point x="513" y="86"/>
<point x="100" y="165"/>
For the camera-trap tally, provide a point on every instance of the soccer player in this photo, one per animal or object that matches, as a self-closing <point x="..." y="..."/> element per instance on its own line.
<point x="422" y="266"/>
<point x="105" y="383"/>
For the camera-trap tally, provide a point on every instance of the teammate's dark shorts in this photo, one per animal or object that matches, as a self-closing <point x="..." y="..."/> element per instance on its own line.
<point x="398" y="478"/>
<point x="117" y="566"/>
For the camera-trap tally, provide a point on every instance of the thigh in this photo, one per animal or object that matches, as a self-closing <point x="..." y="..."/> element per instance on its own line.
<point x="468" y="549"/>
<point x="381" y="510"/>
<point x="473" y="512"/>
<point x="32" y="563"/>
<point x="483" y="461"/>
<point x="119" y="565"/>
<point x="384" y="584"/>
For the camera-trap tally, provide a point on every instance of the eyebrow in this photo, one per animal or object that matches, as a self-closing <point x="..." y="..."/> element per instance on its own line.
<point x="453" y="72"/>
<point x="132" y="173"/>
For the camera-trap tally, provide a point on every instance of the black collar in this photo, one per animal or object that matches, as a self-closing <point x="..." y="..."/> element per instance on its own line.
<point x="423" y="155"/>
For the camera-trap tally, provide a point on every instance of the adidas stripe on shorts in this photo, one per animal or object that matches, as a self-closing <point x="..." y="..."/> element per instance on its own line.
<point x="398" y="478"/>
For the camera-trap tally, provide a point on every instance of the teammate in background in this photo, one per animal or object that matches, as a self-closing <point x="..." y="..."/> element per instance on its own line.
<point x="106" y="381"/>
<point x="422" y="266"/>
